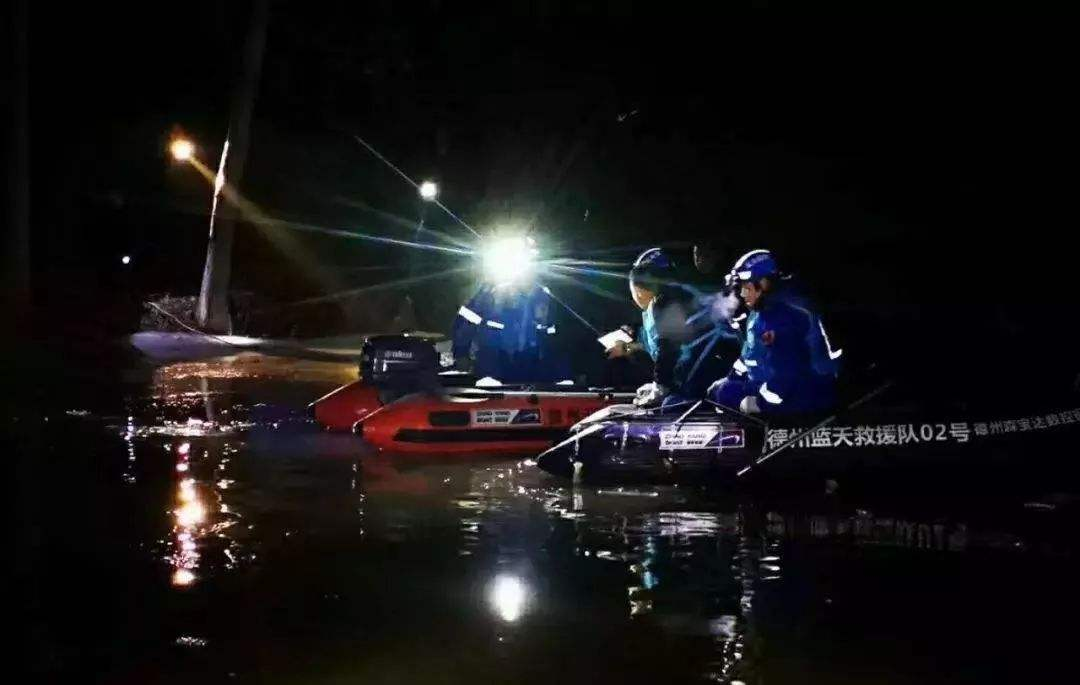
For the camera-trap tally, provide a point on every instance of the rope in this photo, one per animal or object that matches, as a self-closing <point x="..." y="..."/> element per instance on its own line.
<point x="194" y="330"/>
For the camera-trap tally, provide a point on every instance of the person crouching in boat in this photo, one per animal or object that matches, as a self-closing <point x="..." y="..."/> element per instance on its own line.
<point x="786" y="365"/>
<point x="667" y="333"/>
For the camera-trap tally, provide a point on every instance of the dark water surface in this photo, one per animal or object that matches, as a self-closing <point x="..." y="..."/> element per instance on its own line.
<point x="195" y="528"/>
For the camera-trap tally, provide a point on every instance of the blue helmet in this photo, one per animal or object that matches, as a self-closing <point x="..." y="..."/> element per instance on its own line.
<point x="753" y="266"/>
<point x="651" y="269"/>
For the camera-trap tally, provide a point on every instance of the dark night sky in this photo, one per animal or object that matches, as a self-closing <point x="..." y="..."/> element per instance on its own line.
<point x="901" y="163"/>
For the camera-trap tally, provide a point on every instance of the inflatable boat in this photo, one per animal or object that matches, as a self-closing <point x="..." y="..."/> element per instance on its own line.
<point x="480" y="422"/>
<point x="703" y="441"/>
<point x="391" y="367"/>
<point x="404" y="404"/>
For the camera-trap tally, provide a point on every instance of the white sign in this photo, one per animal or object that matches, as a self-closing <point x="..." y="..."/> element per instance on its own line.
<point x="613" y="338"/>
<point x="505" y="417"/>
<point x="697" y="436"/>
<point x="687" y="437"/>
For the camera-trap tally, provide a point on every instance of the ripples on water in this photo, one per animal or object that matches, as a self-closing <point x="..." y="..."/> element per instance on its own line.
<point x="254" y="547"/>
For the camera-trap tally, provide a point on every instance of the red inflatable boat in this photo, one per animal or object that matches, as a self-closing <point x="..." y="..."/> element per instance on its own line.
<point x="402" y="404"/>
<point x="391" y="366"/>
<point x="479" y="422"/>
<point x="341" y="409"/>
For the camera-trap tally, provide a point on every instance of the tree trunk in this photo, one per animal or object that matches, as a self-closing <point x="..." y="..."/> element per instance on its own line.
<point x="213" y="308"/>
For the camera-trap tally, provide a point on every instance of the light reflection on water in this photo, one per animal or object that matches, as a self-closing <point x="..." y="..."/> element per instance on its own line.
<point x="671" y="559"/>
<point x="201" y="516"/>
<point x="674" y="561"/>
<point x="509" y="597"/>
<point x="252" y="491"/>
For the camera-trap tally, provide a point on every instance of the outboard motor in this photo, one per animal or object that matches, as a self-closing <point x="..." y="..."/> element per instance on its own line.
<point x="391" y="366"/>
<point x="399" y="364"/>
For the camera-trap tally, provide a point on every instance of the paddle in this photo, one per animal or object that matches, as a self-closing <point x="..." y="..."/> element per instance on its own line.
<point x="821" y="424"/>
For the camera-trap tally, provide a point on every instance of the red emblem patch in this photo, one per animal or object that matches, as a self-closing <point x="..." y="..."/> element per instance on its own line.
<point x="767" y="337"/>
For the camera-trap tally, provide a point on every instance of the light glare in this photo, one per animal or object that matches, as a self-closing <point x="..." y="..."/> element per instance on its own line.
<point x="183" y="577"/>
<point x="429" y="190"/>
<point x="509" y="260"/>
<point x="508" y="597"/>
<point x="182" y="149"/>
<point x="191" y="514"/>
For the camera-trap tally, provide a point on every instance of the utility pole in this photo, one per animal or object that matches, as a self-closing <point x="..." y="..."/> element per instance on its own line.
<point x="213" y="307"/>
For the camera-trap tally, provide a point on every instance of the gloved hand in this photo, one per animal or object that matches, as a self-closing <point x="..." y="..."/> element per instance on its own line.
<point x="650" y="395"/>
<point x="619" y="349"/>
<point x="750" y="405"/>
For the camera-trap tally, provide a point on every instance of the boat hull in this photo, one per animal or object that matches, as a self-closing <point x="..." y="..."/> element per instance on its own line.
<point x="478" y="422"/>
<point x="619" y="445"/>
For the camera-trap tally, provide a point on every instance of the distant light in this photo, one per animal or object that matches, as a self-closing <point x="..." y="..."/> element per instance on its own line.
<point x="509" y="260"/>
<point x="508" y="597"/>
<point x="182" y="149"/>
<point x="125" y="260"/>
<point x="429" y="190"/>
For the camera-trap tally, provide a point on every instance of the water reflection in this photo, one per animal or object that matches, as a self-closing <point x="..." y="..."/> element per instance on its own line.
<point x="720" y="552"/>
<point x="506" y="556"/>
<point x="865" y="528"/>
<point x="201" y="517"/>
<point x="129" y="476"/>
<point x="687" y="572"/>
<point x="508" y="597"/>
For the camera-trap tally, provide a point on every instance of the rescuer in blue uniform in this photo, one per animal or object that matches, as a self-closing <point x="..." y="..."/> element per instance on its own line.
<point x="674" y="332"/>
<point x="787" y="364"/>
<point x="511" y="330"/>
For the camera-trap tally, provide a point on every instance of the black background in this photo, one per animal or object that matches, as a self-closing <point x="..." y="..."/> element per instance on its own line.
<point x="910" y="163"/>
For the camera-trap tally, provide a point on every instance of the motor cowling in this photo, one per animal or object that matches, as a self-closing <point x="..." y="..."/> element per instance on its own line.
<point x="398" y="360"/>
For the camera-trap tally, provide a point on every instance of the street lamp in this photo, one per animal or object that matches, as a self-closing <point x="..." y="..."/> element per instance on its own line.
<point x="182" y="149"/>
<point x="429" y="190"/>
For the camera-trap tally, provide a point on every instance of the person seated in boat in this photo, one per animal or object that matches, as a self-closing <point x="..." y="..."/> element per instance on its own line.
<point x="507" y="332"/>
<point x="682" y="364"/>
<point x="787" y="364"/>
<point x="718" y="305"/>
<point x="707" y="276"/>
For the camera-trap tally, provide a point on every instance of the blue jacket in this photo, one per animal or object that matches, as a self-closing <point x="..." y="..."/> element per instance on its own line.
<point x="685" y="340"/>
<point x="513" y="333"/>
<point x="786" y="355"/>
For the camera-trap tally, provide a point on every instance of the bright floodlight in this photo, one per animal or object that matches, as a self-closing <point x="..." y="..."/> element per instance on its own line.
<point x="429" y="190"/>
<point x="182" y="149"/>
<point x="125" y="260"/>
<point x="508" y="597"/>
<point x="509" y="260"/>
